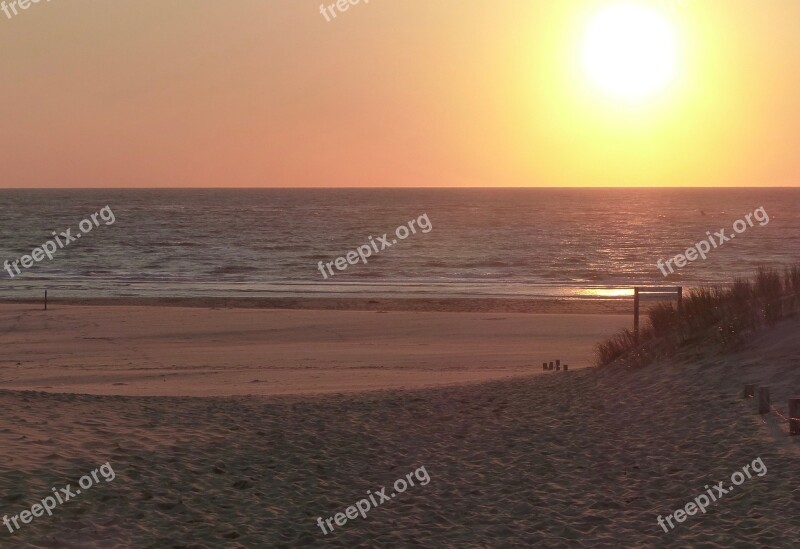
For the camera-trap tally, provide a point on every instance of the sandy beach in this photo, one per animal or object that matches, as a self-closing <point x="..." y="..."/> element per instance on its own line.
<point x="586" y="458"/>
<point x="192" y="351"/>
<point x="570" y="459"/>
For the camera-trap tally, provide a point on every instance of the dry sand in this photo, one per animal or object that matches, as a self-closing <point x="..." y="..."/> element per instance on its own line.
<point x="187" y="351"/>
<point x="578" y="459"/>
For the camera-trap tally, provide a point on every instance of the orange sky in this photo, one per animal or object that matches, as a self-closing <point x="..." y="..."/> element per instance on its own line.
<point x="249" y="93"/>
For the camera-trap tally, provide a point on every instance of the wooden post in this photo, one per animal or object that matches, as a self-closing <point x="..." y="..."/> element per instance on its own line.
<point x="544" y="366"/>
<point x="558" y="364"/>
<point x="636" y="315"/>
<point x="763" y="399"/>
<point x="551" y="366"/>
<point x="749" y="390"/>
<point x="45" y="300"/>
<point x="680" y="300"/>
<point x="566" y="367"/>
<point x="794" y="416"/>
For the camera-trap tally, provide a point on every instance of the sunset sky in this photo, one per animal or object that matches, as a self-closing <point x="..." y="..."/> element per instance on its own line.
<point x="267" y="93"/>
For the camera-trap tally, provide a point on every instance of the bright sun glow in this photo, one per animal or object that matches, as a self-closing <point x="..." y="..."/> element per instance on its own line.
<point x="630" y="51"/>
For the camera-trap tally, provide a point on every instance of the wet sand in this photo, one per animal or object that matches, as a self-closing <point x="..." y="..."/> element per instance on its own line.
<point x="191" y="351"/>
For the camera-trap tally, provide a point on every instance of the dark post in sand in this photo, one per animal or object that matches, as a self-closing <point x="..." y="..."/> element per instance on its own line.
<point x="763" y="399"/>
<point x="636" y="315"/>
<point x="794" y="416"/>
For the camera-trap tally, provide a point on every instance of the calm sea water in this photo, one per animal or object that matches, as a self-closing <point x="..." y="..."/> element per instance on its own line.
<point x="484" y="242"/>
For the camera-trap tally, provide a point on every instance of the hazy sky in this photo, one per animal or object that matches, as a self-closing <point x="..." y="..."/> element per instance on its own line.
<point x="241" y="93"/>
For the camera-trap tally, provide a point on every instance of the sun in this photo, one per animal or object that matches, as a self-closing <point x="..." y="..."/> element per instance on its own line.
<point x="630" y="51"/>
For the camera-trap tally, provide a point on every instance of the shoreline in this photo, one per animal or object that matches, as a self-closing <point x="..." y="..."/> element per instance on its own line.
<point x="415" y="304"/>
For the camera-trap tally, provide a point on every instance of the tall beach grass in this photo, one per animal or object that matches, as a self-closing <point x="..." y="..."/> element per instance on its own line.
<point x="718" y="315"/>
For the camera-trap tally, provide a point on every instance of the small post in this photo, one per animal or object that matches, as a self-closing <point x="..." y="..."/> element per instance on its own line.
<point x="566" y="367"/>
<point x="763" y="399"/>
<point x="680" y="300"/>
<point x="558" y="364"/>
<point x="749" y="390"/>
<point x="45" y="300"/>
<point x="551" y="366"/>
<point x="544" y="366"/>
<point x="636" y="314"/>
<point x="794" y="416"/>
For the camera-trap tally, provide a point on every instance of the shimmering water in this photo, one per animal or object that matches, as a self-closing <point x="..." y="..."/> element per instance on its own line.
<point x="498" y="242"/>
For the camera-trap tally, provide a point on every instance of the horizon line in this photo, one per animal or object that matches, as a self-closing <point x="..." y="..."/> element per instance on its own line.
<point x="396" y="188"/>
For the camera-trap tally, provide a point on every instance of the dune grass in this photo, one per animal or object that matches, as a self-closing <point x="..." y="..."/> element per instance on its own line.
<point x="715" y="315"/>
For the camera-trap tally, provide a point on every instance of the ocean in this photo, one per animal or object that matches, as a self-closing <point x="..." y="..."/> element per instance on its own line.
<point x="535" y="243"/>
